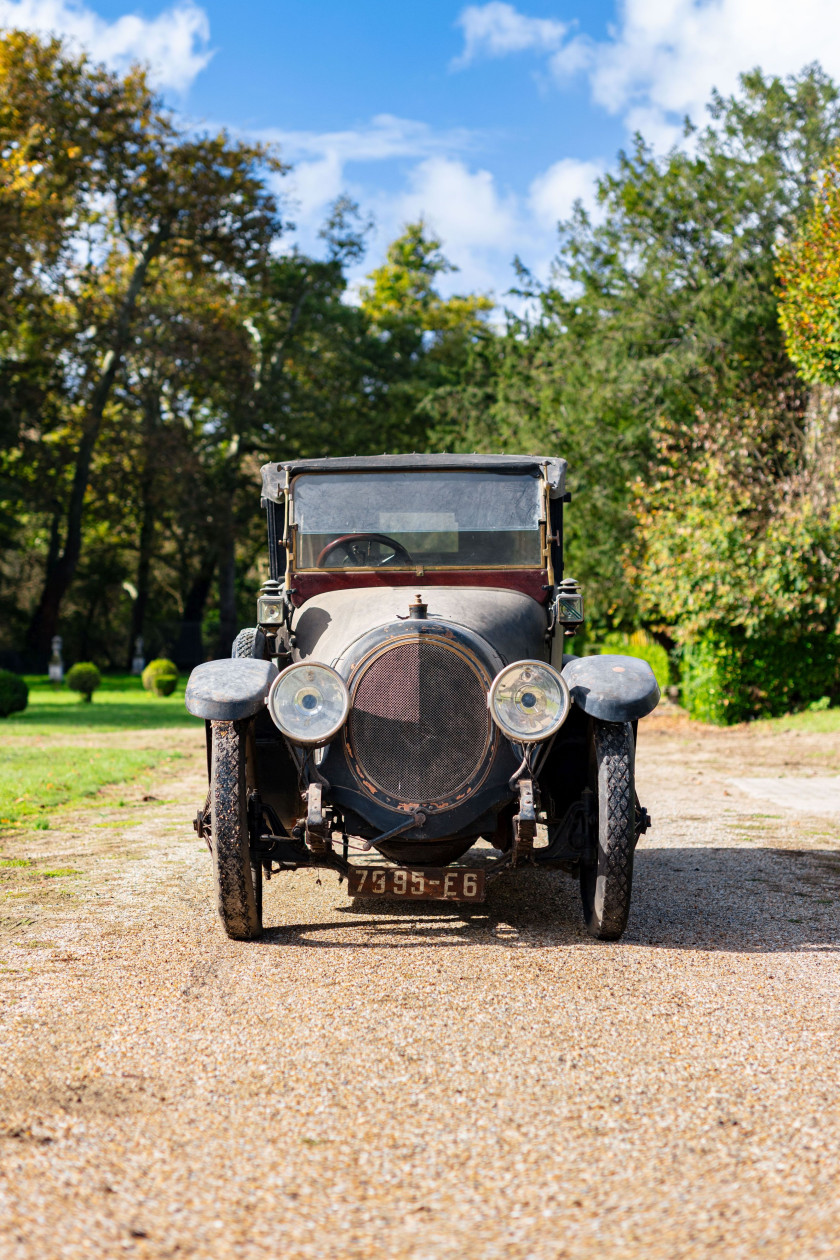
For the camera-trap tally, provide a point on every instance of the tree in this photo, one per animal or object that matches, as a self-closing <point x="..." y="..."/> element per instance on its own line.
<point x="401" y="296"/>
<point x="809" y="273"/>
<point x="661" y="314"/>
<point x="63" y="124"/>
<point x="427" y="338"/>
<point x="164" y="197"/>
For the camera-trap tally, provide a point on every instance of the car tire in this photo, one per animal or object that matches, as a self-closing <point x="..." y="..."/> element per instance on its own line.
<point x="243" y="644"/>
<point x="238" y="880"/>
<point x="606" y="880"/>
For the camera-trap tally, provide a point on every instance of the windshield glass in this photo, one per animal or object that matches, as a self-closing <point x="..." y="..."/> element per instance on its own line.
<point x="401" y="519"/>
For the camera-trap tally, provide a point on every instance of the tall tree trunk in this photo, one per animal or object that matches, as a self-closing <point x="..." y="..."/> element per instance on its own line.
<point x="145" y="546"/>
<point x="54" y="549"/>
<point x="57" y="579"/>
<point x="822" y="446"/>
<point x="189" y="650"/>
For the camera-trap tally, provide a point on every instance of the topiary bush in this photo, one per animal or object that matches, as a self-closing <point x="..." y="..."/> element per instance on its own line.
<point x="14" y="693"/>
<point x="85" y="678"/>
<point x="644" y="646"/>
<point x="160" y="677"/>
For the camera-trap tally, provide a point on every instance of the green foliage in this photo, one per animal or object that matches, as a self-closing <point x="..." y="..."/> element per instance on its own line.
<point x="14" y="693"/>
<point x="643" y="646"/>
<point x="402" y="294"/>
<point x="662" y="309"/>
<point x="160" y="677"/>
<point x="736" y="530"/>
<point x="728" y="676"/>
<point x="809" y="273"/>
<point x="185" y="349"/>
<point x="84" y="677"/>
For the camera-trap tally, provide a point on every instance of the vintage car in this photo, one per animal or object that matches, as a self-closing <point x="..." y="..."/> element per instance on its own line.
<point x="406" y="694"/>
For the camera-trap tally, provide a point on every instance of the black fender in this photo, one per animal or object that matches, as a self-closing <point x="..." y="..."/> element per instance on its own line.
<point x="229" y="690"/>
<point x="612" y="688"/>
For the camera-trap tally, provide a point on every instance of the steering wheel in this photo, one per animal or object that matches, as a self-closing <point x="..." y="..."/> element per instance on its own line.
<point x="358" y="549"/>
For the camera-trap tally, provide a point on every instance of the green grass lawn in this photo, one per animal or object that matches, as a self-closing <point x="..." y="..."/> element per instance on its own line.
<point x="119" y="704"/>
<point x="53" y="769"/>
<point x="36" y="781"/>
<point x="823" y="722"/>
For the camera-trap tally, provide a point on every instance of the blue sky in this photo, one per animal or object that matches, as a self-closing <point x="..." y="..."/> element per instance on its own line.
<point x="487" y="118"/>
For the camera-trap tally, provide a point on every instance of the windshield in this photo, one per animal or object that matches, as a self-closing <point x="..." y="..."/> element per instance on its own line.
<point x="404" y="519"/>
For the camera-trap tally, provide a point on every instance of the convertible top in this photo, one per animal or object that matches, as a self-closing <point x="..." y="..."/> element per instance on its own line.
<point x="274" y="475"/>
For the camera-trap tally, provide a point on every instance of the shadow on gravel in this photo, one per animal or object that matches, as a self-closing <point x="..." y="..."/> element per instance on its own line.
<point x="735" y="900"/>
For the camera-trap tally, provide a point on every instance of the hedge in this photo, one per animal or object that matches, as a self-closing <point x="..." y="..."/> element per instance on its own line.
<point x="727" y="677"/>
<point x="14" y="693"/>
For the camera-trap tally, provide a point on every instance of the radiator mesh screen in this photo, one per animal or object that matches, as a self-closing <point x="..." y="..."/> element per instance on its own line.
<point x="419" y="725"/>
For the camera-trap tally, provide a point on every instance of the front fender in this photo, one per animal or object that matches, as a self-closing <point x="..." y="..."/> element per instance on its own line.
<point x="612" y="688"/>
<point x="229" y="690"/>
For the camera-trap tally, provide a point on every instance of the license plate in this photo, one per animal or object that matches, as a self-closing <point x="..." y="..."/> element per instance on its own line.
<point x="429" y="885"/>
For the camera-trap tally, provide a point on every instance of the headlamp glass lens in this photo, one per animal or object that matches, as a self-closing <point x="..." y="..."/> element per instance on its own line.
<point x="309" y="703"/>
<point x="269" y="611"/>
<point x="529" y="701"/>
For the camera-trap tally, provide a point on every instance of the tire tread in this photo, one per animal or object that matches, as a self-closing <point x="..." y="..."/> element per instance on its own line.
<point x="607" y="905"/>
<point x="234" y="878"/>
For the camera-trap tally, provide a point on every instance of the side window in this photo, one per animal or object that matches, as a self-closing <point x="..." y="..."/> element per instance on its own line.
<point x="276" y="549"/>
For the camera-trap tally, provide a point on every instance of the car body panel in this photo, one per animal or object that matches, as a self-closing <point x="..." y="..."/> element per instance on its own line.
<point x="512" y="625"/>
<point x="229" y="690"/>
<point x="307" y="583"/>
<point x="612" y="688"/>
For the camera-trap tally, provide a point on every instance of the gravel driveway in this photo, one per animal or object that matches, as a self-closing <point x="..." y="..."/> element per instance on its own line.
<point x="379" y="1080"/>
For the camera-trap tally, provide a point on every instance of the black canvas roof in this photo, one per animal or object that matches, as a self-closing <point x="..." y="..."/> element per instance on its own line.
<point x="274" y="475"/>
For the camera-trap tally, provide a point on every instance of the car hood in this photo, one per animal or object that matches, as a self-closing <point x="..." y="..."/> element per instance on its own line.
<point x="513" y="624"/>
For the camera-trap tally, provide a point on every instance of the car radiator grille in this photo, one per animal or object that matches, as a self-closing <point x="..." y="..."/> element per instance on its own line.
<point x="419" y="726"/>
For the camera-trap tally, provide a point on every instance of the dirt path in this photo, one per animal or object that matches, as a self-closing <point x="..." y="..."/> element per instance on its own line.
<point x="421" y="1082"/>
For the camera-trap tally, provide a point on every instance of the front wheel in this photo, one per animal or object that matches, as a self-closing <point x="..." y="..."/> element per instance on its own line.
<point x="243" y="644"/>
<point x="238" y="881"/>
<point x="606" y="881"/>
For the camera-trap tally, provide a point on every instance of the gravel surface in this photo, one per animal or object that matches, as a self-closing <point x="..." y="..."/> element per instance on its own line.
<point x="380" y="1080"/>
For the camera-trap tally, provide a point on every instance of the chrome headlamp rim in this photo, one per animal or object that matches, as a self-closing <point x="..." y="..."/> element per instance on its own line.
<point x="517" y="737"/>
<point x="324" y="737"/>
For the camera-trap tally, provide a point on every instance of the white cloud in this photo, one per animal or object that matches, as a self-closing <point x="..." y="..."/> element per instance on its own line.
<point x="173" y="44"/>
<point x="479" y="226"/>
<point x="663" y="57"/>
<point x="496" y="29"/>
<point x="667" y="55"/>
<point x="482" y="225"/>
<point x="552" y="194"/>
<point x="463" y="206"/>
<point x="321" y="159"/>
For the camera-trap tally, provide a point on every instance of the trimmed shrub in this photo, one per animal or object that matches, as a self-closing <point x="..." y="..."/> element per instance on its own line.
<point x="160" y="677"/>
<point x="85" y="678"/>
<point x="644" y="646"/>
<point x="14" y="693"/>
<point x="727" y="676"/>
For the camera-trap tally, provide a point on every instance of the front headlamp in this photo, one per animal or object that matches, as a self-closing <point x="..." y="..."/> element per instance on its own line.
<point x="270" y="610"/>
<point x="529" y="701"/>
<point x="309" y="702"/>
